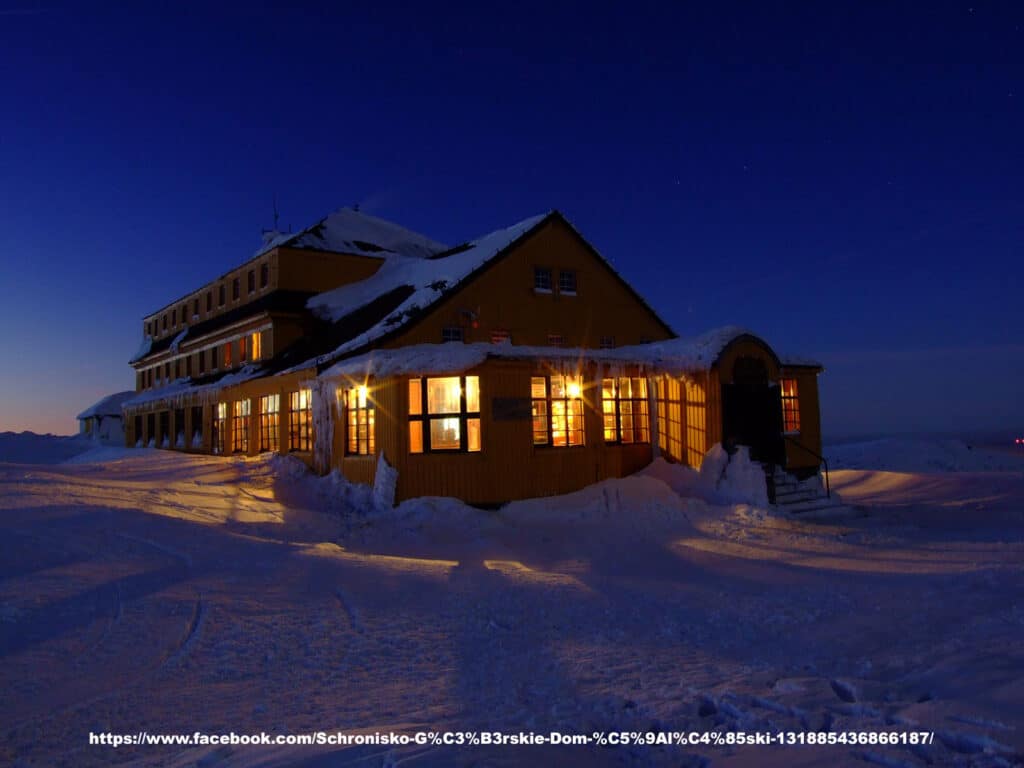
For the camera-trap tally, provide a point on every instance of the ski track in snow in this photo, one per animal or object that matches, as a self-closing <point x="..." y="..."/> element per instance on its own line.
<point x="170" y="593"/>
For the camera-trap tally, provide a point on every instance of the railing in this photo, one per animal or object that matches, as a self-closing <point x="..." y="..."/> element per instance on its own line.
<point x="821" y="460"/>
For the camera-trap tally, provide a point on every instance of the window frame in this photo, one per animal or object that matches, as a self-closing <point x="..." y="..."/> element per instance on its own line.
<point x="539" y="271"/>
<point x="424" y="417"/>
<point x="645" y="427"/>
<point x="360" y="411"/>
<point x="270" y="423"/>
<point x="570" y="273"/>
<point x="300" y="422"/>
<point x="452" y="334"/>
<point x="793" y="403"/>
<point x="240" y="425"/>
<point x="568" y="404"/>
<point x="219" y="424"/>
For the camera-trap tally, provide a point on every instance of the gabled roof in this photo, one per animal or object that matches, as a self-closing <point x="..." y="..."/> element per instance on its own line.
<point x="108" y="406"/>
<point x="427" y="281"/>
<point x="351" y="231"/>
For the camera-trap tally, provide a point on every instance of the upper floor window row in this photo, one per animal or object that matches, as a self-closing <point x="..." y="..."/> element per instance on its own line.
<point x="178" y="317"/>
<point x="544" y="281"/>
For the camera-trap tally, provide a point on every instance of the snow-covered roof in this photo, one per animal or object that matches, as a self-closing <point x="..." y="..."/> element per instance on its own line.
<point x="798" y="361"/>
<point x="675" y="356"/>
<point x="181" y="389"/>
<point x="108" y="406"/>
<point x="350" y="231"/>
<point x="427" y="280"/>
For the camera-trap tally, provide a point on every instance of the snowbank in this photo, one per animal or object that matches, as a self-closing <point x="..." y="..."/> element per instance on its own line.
<point x="722" y="480"/>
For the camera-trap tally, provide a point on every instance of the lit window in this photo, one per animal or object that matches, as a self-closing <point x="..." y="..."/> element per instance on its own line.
<point x="567" y="282"/>
<point x="227" y="355"/>
<point x="241" y="349"/>
<point x="790" y="407"/>
<point x="555" y="340"/>
<point x="607" y="342"/>
<point x="451" y="333"/>
<point x="542" y="279"/>
<point x="270" y="422"/>
<point x="500" y="337"/>
<point x="220" y="424"/>
<point x="300" y="420"/>
<point x="451" y="419"/>
<point x="696" y="423"/>
<point x="624" y="408"/>
<point x="670" y="417"/>
<point x="359" y="437"/>
<point x="257" y="346"/>
<point x="240" y="426"/>
<point x="557" y="409"/>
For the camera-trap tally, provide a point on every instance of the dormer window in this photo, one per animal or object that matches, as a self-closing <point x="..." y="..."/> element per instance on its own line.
<point x="220" y="295"/>
<point x="236" y="289"/>
<point x="251" y="277"/>
<point x="451" y="333"/>
<point x="264" y="274"/>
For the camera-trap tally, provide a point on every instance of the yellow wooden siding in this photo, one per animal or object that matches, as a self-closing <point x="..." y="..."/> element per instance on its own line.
<point x="502" y="298"/>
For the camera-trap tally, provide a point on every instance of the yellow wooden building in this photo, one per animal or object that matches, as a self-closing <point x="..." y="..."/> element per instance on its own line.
<point x="518" y="364"/>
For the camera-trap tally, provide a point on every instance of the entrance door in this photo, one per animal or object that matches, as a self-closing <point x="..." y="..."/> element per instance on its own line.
<point x="752" y="412"/>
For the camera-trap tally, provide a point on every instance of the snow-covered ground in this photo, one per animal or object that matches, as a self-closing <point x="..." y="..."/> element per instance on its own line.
<point x="147" y="590"/>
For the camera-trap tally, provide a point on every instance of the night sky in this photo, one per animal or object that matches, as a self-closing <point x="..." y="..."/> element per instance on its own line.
<point x="846" y="181"/>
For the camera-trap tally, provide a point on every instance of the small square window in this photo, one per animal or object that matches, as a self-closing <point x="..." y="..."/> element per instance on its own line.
<point x="607" y="342"/>
<point x="451" y="333"/>
<point x="567" y="282"/>
<point x="542" y="279"/>
<point x="555" y="340"/>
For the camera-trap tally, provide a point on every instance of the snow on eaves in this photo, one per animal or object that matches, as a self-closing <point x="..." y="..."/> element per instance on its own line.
<point x="429" y="279"/>
<point x="350" y="231"/>
<point x="675" y="357"/>
<point x="108" y="406"/>
<point x="797" y="361"/>
<point x="181" y="389"/>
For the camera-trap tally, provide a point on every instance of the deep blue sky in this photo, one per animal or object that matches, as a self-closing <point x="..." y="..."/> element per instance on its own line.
<point x="844" y="180"/>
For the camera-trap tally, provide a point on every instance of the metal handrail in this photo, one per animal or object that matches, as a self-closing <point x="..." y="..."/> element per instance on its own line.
<point x="821" y="460"/>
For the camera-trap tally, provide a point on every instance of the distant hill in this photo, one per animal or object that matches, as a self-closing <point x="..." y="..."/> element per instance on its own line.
<point x="30" y="448"/>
